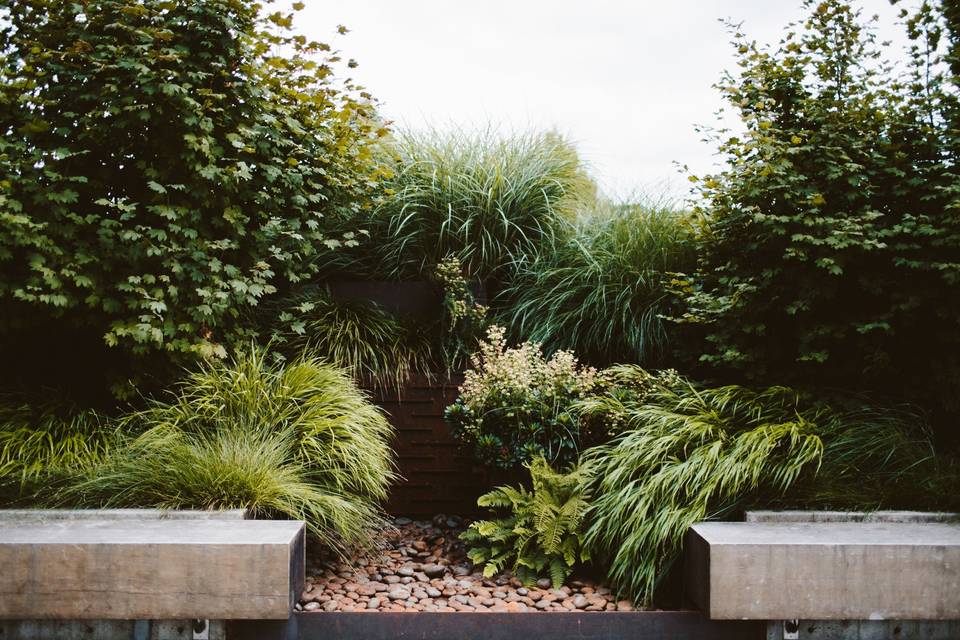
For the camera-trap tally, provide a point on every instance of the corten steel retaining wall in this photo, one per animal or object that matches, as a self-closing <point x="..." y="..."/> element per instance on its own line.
<point x="642" y="625"/>
<point x="438" y="477"/>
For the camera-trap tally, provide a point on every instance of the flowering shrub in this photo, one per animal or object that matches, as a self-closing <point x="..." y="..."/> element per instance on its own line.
<point x="624" y="384"/>
<point x="516" y="404"/>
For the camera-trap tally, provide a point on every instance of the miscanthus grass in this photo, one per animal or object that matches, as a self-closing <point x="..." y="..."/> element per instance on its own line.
<point x="482" y="197"/>
<point x="602" y="290"/>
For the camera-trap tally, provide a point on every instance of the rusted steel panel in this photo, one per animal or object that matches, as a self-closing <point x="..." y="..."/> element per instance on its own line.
<point x="438" y="477"/>
<point x="640" y="625"/>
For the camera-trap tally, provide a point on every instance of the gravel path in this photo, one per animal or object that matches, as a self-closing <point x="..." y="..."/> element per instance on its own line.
<point x="423" y="567"/>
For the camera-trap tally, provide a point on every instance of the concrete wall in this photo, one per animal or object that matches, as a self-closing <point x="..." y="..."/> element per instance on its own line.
<point x="145" y="569"/>
<point x="868" y="630"/>
<point x="14" y="516"/>
<point x="904" y="517"/>
<point x="108" y="630"/>
<point x="824" y="571"/>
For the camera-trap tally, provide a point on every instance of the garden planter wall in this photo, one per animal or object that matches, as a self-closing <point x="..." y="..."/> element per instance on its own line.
<point x="640" y="625"/>
<point x="134" y="574"/>
<point x="130" y="568"/>
<point x="14" y="516"/>
<point x="414" y="299"/>
<point x="418" y="299"/>
<point x="825" y="570"/>
<point x="830" y="575"/>
<point x="437" y="476"/>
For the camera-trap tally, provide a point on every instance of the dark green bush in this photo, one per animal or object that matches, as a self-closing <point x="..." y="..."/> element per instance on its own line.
<point x="163" y="167"/>
<point x="375" y="346"/>
<point x="833" y="253"/>
<point x="380" y="347"/>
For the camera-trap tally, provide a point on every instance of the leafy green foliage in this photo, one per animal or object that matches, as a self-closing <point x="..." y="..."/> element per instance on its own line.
<point x="297" y="440"/>
<point x="483" y="198"/>
<point x="688" y="454"/>
<point x="515" y="404"/>
<point x="373" y="345"/>
<point x="41" y="443"/>
<point x="833" y="254"/>
<point x="600" y="290"/>
<point x="464" y="318"/>
<point x="540" y="531"/>
<point x="163" y="167"/>
<point x="379" y="347"/>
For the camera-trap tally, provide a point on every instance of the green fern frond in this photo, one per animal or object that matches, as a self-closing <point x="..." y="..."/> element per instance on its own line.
<point x="543" y="526"/>
<point x="559" y="570"/>
<point x="478" y="555"/>
<point x="503" y="498"/>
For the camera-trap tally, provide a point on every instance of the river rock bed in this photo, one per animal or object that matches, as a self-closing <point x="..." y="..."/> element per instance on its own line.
<point x="423" y="566"/>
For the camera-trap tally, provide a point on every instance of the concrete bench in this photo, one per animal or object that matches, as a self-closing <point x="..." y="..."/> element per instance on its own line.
<point x="902" y="517"/>
<point x="155" y="568"/>
<point x="23" y="516"/>
<point x="824" y="570"/>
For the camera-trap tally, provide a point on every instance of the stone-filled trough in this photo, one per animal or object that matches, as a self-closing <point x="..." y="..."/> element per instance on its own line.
<point x="420" y="585"/>
<point x="422" y="566"/>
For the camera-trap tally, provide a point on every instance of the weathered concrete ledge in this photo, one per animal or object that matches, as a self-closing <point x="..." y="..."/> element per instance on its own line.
<point x="868" y="630"/>
<point x="904" y="517"/>
<point x="824" y="570"/>
<point x="109" y="629"/>
<point x="46" y="515"/>
<point x="137" y="569"/>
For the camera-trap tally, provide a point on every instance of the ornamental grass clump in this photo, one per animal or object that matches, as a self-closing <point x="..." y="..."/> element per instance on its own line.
<point x="376" y="347"/>
<point x="296" y="440"/>
<point x="515" y="404"/>
<point x="603" y="289"/>
<point x="484" y="198"/>
<point x="41" y="443"/>
<point x="688" y="453"/>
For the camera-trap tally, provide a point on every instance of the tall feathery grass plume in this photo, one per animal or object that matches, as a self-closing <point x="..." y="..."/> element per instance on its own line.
<point x="603" y="290"/>
<point x="484" y="197"/>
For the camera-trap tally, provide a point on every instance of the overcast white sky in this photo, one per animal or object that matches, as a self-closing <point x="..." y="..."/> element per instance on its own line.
<point x="626" y="80"/>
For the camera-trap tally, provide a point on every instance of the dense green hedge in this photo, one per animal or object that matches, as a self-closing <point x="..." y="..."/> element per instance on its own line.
<point x="833" y="255"/>
<point x="162" y="167"/>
